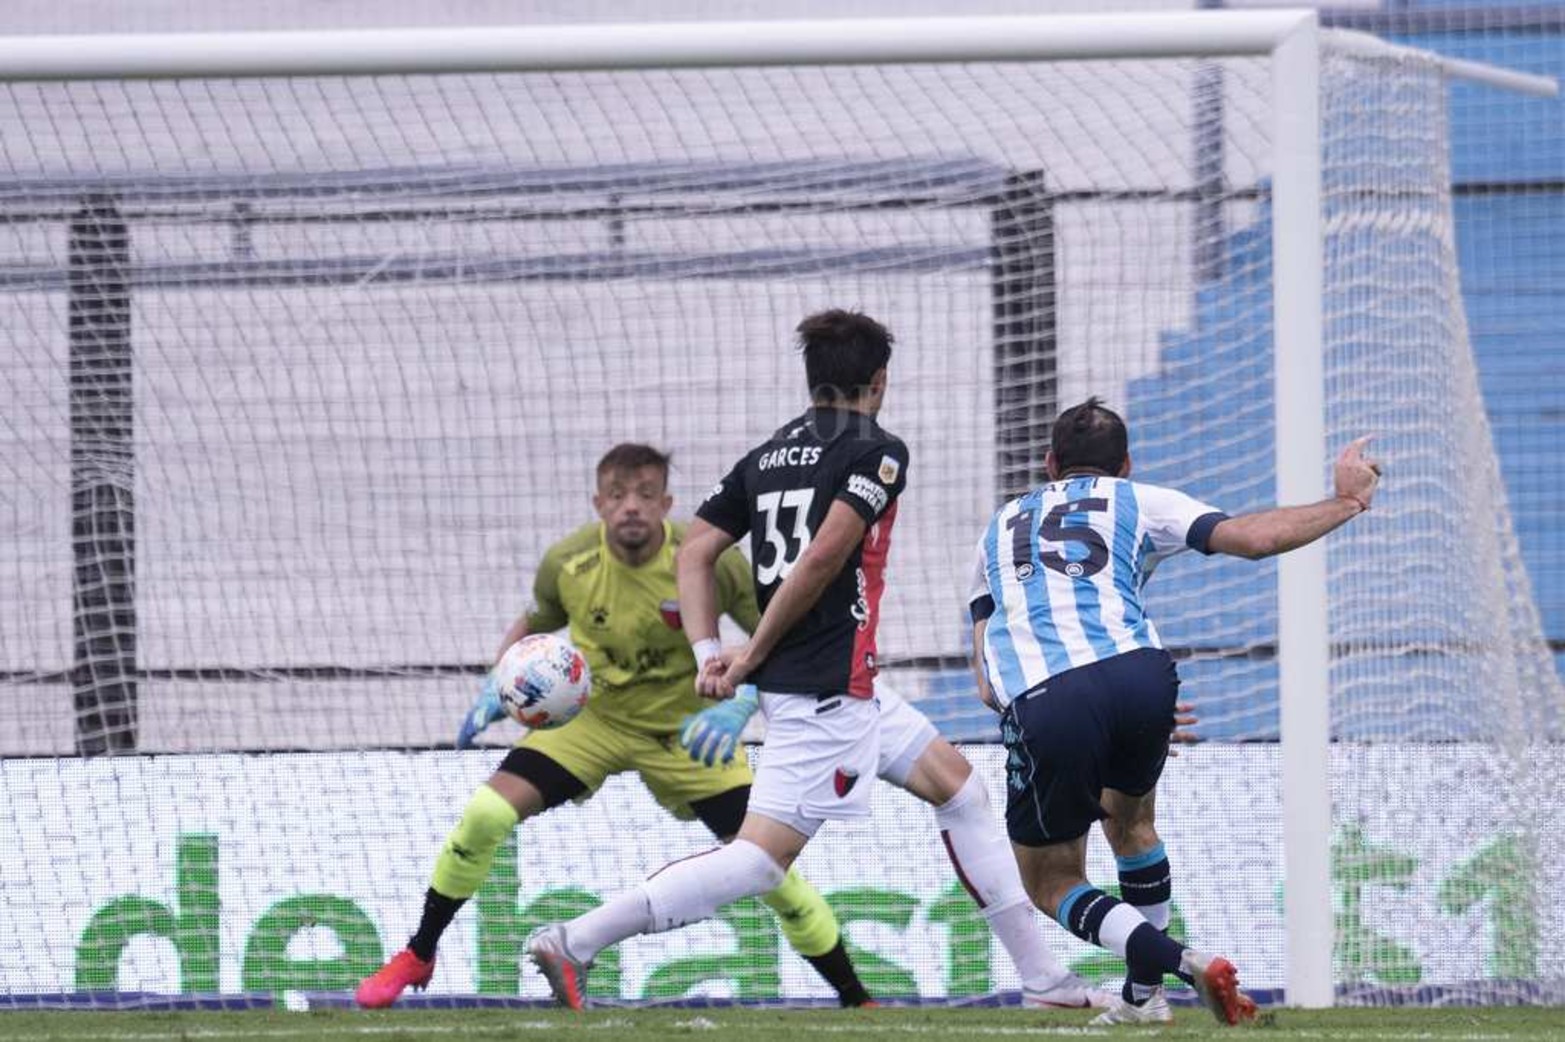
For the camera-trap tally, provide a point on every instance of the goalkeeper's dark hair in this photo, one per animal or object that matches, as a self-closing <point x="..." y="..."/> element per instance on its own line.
<point x="631" y="456"/>
<point x="1090" y="436"/>
<point x="843" y="350"/>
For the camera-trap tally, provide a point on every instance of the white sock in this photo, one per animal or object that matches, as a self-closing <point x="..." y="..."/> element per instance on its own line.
<point x="678" y="894"/>
<point x="1021" y="935"/>
<point x="688" y="891"/>
<point x="1117" y="927"/>
<point x="1157" y="914"/>
<point x="621" y="916"/>
<point x="987" y="868"/>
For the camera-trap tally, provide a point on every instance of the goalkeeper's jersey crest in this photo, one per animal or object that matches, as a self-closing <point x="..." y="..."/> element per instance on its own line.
<point x="626" y="621"/>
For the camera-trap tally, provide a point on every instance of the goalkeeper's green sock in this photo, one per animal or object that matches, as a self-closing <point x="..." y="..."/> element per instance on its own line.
<point x="812" y="931"/>
<point x="462" y="865"/>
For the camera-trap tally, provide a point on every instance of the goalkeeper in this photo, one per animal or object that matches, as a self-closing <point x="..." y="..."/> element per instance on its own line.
<point x="612" y="582"/>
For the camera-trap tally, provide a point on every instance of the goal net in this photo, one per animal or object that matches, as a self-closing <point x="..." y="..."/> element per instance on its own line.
<point x="305" y="373"/>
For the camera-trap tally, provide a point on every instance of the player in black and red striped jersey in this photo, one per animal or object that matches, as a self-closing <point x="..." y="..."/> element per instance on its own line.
<point x="817" y="500"/>
<point x="827" y="460"/>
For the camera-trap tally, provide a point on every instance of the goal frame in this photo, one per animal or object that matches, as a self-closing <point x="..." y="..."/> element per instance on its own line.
<point x="1291" y="39"/>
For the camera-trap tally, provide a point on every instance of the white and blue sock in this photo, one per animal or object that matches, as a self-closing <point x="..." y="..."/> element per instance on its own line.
<point x="1108" y="922"/>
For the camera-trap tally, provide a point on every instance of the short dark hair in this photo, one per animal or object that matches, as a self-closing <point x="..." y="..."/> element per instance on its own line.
<point x="1090" y="436"/>
<point x="842" y="352"/>
<point x="631" y="456"/>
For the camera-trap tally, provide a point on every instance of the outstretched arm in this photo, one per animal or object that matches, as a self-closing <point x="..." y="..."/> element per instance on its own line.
<point x="1270" y="532"/>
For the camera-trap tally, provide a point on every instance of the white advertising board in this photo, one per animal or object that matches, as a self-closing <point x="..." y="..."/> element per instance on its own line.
<point x="298" y="872"/>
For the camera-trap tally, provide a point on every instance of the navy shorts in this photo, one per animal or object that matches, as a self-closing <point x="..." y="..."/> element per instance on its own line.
<point x="1095" y="727"/>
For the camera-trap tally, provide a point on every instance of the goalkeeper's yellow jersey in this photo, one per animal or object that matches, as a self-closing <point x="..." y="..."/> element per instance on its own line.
<point x="626" y="621"/>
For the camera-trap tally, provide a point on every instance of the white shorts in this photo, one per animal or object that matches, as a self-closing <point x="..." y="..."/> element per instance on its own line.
<point x="819" y="760"/>
<point x="904" y="735"/>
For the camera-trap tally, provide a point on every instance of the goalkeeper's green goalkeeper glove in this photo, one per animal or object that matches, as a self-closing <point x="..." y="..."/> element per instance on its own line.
<point x="486" y="710"/>
<point x="712" y="735"/>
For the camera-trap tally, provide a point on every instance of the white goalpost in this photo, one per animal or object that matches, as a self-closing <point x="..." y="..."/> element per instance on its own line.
<point x="315" y="337"/>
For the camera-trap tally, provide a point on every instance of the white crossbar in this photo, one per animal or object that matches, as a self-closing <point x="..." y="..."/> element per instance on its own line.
<point x="653" y="45"/>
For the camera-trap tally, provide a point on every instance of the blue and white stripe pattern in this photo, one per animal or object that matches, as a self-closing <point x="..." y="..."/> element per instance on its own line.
<point x="1061" y="571"/>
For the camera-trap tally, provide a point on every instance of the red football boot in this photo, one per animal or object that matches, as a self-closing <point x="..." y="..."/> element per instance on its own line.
<point x="381" y="988"/>
<point x="1217" y="983"/>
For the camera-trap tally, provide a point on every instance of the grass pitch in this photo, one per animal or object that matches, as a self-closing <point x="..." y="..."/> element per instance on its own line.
<point x="743" y="1025"/>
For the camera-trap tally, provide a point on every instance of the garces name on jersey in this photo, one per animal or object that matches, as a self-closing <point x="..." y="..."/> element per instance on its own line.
<point x="790" y="456"/>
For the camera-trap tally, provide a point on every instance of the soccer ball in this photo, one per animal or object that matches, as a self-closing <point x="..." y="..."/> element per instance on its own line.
<point x="543" y="681"/>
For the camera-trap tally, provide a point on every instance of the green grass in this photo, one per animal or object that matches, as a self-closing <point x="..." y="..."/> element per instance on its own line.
<point x="1343" y="1025"/>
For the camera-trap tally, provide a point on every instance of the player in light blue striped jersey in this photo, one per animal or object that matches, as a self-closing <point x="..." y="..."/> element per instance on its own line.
<point x="1088" y="695"/>
<point x="1064" y="566"/>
